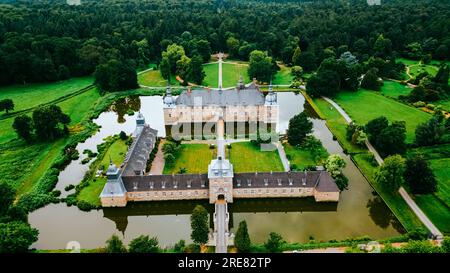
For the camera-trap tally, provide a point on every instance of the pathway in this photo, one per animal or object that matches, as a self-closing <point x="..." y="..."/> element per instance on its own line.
<point x="220" y="218"/>
<point x="419" y="213"/>
<point x="220" y="70"/>
<point x="158" y="161"/>
<point x="283" y="157"/>
<point x="433" y="229"/>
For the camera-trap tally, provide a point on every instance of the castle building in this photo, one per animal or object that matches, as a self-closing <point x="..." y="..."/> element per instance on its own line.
<point x="240" y="104"/>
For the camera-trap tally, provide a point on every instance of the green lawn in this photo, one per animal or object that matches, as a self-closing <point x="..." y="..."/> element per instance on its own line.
<point x="416" y="67"/>
<point x="230" y="74"/>
<point x="247" y="157"/>
<point x="303" y="158"/>
<point x="154" y="78"/>
<point x="394" y="201"/>
<point x="92" y="192"/>
<point x="363" y="106"/>
<point x="337" y="124"/>
<point x="441" y="169"/>
<point x="436" y="210"/>
<point x="116" y="152"/>
<point x="283" y="76"/>
<point x="30" y="95"/>
<point x="394" y="89"/>
<point x="194" y="157"/>
<point x="23" y="164"/>
<point x="445" y="104"/>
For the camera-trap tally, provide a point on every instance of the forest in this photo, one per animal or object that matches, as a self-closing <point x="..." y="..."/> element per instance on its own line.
<point x="49" y="40"/>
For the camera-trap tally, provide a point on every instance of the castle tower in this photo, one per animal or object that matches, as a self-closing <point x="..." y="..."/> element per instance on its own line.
<point x="169" y="101"/>
<point x="114" y="192"/>
<point x="140" y="123"/>
<point x="271" y="98"/>
<point x="240" y="84"/>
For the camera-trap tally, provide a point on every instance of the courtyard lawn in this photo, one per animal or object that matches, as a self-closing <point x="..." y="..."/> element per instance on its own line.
<point x="436" y="210"/>
<point x="394" y="89"/>
<point x="302" y="158"/>
<point x="283" y="76"/>
<point x="230" y="74"/>
<point x="30" y="95"/>
<point x="392" y="199"/>
<point x="194" y="157"/>
<point x="154" y="78"/>
<point x="363" y="106"/>
<point x="336" y="123"/>
<point x="247" y="157"/>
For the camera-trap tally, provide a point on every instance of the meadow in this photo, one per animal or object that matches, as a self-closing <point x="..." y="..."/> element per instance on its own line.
<point x="363" y="106"/>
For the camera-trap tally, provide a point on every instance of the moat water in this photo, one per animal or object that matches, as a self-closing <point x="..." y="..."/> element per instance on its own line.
<point x="358" y="213"/>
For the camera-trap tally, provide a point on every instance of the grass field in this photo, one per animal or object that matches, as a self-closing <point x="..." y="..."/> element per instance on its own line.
<point x="303" y="158"/>
<point x="283" y="76"/>
<point x="394" y="89"/>
<point x="363" y="106"/>
<point x="247" y="157"/>
<point x="154" y="78"/>
<point x="441" y="169"/>
<point x="416" y="67"/>
<point x="337" y="125"/>
<point x="230" y="74"/>
<point x="30" y="95"/>
<point x="22" y="164"/>
<point x="194" y="157"/>
<point x="116" y="152"/>
<point x="436" y="210"/>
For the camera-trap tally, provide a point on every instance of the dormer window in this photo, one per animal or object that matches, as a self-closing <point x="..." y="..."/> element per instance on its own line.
<point x="203" y="183"/>
<point x="238" y="182"/>
<point x="249" y="182"/>
<point x="189" y="183"/>
<point x="175" y="184"/>
<point x="163" y="184"/>
<point x="135" y="185"/>
<point x="290" y="181"/>
<point x="279" y="182"/>
<point x="304" y="181"/>
<point x="266" y="182"/>
<point x="151" y="184"/>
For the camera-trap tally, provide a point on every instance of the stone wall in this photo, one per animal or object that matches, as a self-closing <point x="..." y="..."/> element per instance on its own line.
<point x="218" y="186"/>
<point x="272" y="192"/>
<point x="239" y="113"/>
<point x="115" y="201"/>
<point x="162" y="195"/>
<point x="326" y="196"/>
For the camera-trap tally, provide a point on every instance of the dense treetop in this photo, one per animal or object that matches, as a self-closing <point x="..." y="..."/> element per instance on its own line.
<point x="50" y="40"/>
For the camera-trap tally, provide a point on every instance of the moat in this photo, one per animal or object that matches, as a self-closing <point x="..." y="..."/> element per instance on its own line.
<point x="358" y="212"/>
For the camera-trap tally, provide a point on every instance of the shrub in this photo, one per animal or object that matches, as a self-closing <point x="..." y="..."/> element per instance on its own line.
<point x="419" y="104"/>
<point x="144" y="244"/>
<point x="180" y="246"/>
<point x="85" y="206"/>
<point x="69" y="187"/>
<point x="274" y="242"/>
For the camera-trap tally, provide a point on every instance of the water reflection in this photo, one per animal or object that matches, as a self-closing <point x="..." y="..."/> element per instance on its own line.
<point x="126" y="105"/>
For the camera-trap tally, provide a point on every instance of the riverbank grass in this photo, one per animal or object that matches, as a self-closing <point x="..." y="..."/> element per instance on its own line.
<point x="248" y="157"/>
<point x="193" y="158"/>
<point x="363" y="106"/>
